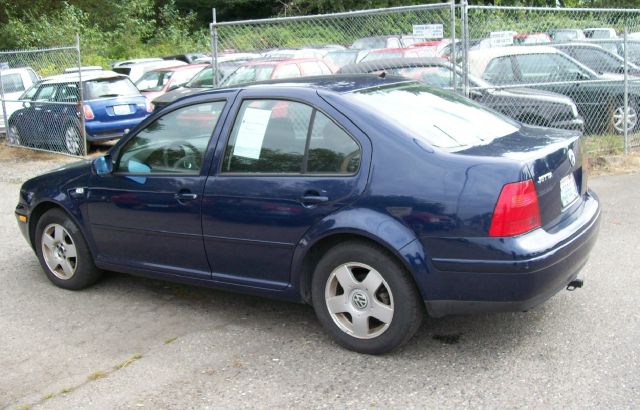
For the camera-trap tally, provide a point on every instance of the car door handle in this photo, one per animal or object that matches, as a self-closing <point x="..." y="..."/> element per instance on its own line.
<point x="185" y="196"/>
<point x="313" y="199"/>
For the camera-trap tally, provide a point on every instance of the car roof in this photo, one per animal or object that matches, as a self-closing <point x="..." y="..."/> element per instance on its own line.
<point x="277" y="61"/>
<point x="183" y="67"/>
<point x="6" y="71"/>
<point x="480" y="58"/>
<point x="387" y="63"/>
<point x="86" y="76"/>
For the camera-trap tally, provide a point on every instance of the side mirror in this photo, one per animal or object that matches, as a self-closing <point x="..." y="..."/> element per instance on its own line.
<point x="475" y="94"/>
<point x="103" y="166"/>
<point x="26" y="104"/>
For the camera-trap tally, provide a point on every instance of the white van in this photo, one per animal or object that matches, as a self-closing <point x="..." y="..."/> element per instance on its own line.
<point x="14" y="82"/>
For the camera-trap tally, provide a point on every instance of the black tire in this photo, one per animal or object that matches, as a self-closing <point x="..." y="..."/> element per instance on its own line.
<point x="405" y="300"/>
<point x="85" y="273"/>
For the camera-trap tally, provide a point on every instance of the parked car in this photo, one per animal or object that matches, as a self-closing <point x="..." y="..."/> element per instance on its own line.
<point x="375" y="42"/>
<point x="15" y="81"/>
<point x="157" y="82"/>
<point x="134" y="61"/>
<point x="566" y="34"/>
<point x="617" y="46"/>
<point x="82" y="69"/>
<point x="531" y="38"/>
<point x="276" y="69"/>
<point x="526" y="105"/>
<point x="411" y="52"/>
<point x="112" y="106"/>
<point x="136" y="70"/>
<point x="600" y="33"/>
<point x="340" y="58"/>
<point x="296" y="53"/>
<point x="363" y="196"/>
<point x="597" y="58"/>
<point x="600" y="103"/>
<point x="229" y="57"/>
<point x="188" y="58"/>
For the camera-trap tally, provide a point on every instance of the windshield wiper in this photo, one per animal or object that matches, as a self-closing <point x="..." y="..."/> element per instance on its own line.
<point x="109" y="95"/>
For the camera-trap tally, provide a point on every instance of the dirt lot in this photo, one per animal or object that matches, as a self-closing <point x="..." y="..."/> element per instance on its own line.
<point x="135" y="343"/>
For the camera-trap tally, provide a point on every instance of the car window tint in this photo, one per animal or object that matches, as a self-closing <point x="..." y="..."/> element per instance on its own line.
<point x="47" y="92"/>
<point x="547" y="68"/>
<point x="287" y="71"/>
<point x="174" y="143"/>
<point x="110" y="87"/>
<point x="597" y="60"/>
<point x="269" y="136"/>
<point x="331" y="150"/>
<point x="499" y="71"/>
<point x="68" y="93"/>
<point x="28" y="95"/>
<point x="12" y="83"/>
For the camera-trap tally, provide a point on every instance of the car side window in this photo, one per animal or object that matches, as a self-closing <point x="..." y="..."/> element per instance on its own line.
<point x="272" y="136"/>
<point x="393" y="43"/>
<point x="331" y="149"/>
<point x="46" y="93"/>
<point x="311" y="68"/>
<point x="68" y="93"/>
<point x="173" y="143"/>
<point x="499" y="71"/>
<point x="287" y="71"/>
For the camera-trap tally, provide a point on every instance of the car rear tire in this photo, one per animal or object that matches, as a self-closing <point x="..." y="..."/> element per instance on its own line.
<point x="13" y="136"/>
<point x="365" y="299"/>
<point x="72" y="139"/>
<point x="63" y="252"/>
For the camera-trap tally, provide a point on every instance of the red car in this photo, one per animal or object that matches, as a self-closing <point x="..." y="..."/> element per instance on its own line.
<point x="157" y="82"/>
<point x="276" y="69"/>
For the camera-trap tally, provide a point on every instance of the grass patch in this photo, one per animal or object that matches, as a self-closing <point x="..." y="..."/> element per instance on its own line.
<point x="128" y="361"/>
<point x="97" y="375"/>
<point x="66" y="390"/>
<point x="607" y="144"/>
<point x="169" y="341"/>
<point x="48" y="396"/>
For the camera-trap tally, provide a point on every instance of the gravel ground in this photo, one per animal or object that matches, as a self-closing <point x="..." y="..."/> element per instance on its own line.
<point x="136" y="343"/>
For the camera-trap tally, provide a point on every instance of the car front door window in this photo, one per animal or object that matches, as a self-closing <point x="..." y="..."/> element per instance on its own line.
<point x="174" y="143"/>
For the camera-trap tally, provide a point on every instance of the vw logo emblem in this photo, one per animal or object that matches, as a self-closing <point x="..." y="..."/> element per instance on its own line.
<point x="572" y="157"/>
<point x="359" y="299"/>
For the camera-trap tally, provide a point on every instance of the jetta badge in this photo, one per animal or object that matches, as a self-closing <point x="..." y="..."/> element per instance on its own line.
<point x="572" y="157"/>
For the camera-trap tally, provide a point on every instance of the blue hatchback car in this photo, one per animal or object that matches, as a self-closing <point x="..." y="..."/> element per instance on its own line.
<point x="373" y="199"/>
<point x="50" y="118"/>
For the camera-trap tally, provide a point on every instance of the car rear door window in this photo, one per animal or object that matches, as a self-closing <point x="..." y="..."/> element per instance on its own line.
<point x="174" y="143"/>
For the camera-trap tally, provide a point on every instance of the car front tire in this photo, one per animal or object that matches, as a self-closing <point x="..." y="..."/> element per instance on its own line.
<point x="63" y="252"/>
<point x="365" y="299"/>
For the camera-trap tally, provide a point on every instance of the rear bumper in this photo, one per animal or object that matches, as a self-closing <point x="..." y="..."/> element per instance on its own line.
<point x="541" y="263"/>
<point x="97" y="130"/>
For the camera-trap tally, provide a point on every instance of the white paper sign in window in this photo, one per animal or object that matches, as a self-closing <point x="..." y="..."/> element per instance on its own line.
<point x="251" y="133"/>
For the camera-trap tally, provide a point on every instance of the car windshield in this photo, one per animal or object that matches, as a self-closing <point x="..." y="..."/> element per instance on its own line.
<point x="154" y="80"/>
<point x="249" y="74"/>
<point x="437" y="117"/>
<point x="110" y="87"/>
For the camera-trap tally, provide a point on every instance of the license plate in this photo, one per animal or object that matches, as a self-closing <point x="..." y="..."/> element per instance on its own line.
<point x="568" y="190"/>
<point x="121" y="109"/>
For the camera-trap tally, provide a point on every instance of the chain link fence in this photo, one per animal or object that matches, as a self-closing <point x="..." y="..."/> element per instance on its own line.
<point x="47" y="117"/>
<point x="555" y="67"/>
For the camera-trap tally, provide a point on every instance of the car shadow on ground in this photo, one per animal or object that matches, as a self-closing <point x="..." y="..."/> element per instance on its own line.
<point x="501" y="331"/>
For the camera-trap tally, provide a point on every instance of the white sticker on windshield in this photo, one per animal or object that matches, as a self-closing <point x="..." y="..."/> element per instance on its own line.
<point x="251" y="133"/>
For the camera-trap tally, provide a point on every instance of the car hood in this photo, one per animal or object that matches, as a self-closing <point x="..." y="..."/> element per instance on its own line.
<point x="74" y="174"/>
<point x="171" y="96"/>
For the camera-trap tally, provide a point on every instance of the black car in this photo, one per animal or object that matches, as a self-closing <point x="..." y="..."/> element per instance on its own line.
<point x="597" y="58"/>
<point x="529" y="106"/>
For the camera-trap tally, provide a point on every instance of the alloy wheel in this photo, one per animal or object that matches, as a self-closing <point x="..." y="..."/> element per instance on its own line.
<point x="59" y="251"/>
<point x="72" y="140"/>
<point x="618" y="119"/>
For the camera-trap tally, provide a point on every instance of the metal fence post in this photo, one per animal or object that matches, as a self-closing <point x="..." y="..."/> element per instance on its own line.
<point x="465" y="46"/>
<point x="83" y="131"/>
<point x="7" y="130"/>
<point x="626" y="93"/>
<point x="214" y="48"/>
<point x="453" y="43"/>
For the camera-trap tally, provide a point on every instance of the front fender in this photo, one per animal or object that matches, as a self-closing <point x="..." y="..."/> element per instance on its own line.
<point x="375" y="226"/>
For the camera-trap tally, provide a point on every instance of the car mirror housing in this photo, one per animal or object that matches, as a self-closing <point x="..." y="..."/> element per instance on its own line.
<point x="103" y="166"/>
<point x="26" y="104"/>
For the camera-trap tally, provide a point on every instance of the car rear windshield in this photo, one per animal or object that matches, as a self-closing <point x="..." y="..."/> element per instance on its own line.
<point x="439" y="118"/>
<point x="110" y="87"/>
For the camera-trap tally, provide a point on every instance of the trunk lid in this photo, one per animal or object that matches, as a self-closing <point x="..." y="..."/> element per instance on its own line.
<point x="553" y="159"/>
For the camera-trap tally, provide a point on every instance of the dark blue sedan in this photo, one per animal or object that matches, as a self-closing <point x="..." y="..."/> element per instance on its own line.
<point x="370" y="198"/>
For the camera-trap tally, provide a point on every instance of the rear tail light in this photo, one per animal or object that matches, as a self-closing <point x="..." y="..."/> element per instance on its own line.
<point x="517" y="210"/>
<point x="88" y="112"/>
<point x="149" y="106"/>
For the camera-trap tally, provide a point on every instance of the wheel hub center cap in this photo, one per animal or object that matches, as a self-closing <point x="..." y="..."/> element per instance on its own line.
<point x="359" y="299"/>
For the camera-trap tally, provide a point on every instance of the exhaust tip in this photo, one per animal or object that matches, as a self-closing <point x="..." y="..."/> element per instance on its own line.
<point x="575" y="284"/>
